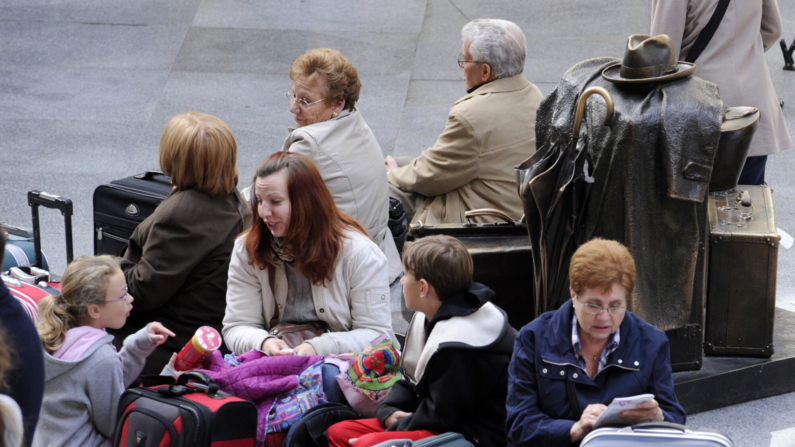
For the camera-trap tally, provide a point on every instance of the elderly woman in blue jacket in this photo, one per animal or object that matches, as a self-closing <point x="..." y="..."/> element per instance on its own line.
<point x="570" y="363"/>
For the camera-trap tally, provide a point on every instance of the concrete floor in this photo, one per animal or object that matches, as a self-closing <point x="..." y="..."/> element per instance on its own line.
<point x="86" y="87"/>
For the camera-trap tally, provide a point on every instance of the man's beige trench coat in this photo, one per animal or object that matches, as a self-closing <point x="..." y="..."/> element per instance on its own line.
<point x="488" y="132"/>
<point x="734" y="59"/>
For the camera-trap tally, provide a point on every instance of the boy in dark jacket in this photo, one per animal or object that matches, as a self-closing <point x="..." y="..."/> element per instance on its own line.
<point x="455" y="361"/>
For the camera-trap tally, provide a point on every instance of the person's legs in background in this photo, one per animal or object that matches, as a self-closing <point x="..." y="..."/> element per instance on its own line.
<point x="753" y="172"/>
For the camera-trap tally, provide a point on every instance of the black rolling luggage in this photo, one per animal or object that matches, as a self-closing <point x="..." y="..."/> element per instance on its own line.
<point x="501" y="256"/>
<point x="184" y="414"/>
<point x="743" y="263"/>
<point x="119" y="206"/>
<point x="28" y="277"/>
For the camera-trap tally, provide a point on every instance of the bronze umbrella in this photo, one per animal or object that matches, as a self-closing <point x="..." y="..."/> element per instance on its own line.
<point x="554" y="186"/>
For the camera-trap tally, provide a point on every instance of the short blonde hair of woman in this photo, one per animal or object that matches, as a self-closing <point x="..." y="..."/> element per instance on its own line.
<point x="340" y="76"/>
<point x="85" y="282"/>
<point x="600" y="263"/>
<point x="199" y="151"/>
<point x="441" y="260"/>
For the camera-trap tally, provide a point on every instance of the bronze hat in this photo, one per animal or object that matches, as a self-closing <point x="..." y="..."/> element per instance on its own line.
<point x="648" y="59"/>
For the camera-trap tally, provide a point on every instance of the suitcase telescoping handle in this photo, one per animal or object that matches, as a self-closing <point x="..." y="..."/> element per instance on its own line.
<point x="177" y="388"/>
<point x="38" y="198"/>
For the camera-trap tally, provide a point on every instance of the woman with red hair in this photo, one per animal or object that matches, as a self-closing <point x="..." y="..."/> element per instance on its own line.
<point x="304" y="261"/>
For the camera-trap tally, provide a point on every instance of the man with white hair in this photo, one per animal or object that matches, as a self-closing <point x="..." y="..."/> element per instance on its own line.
<point x="488" y="132"/>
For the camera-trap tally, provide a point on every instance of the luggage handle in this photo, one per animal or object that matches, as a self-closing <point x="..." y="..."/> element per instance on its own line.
<point x="149" y="175"/>
<point x="657" y="426"/>
<point x="177" y="388"/>
<point x="38" y="198"/>
<point x="744" y="200"/>
<point x="488" y="212"/>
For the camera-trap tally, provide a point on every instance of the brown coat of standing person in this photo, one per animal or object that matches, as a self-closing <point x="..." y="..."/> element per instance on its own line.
<point x="488" y="132"/>
<point x="189" y="236"/>
<point x="734" y="59"/>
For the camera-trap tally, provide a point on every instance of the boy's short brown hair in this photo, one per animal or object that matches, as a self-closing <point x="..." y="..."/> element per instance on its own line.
<point x="443" y="261"/>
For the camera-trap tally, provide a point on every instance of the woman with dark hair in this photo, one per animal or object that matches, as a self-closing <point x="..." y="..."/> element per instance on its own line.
<point x="176" y="263"/>
<point x="304" y="260"/>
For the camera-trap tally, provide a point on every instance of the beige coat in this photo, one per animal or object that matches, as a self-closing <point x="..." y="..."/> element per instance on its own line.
<point x="352" y="165"/>
<point x="734" y="59"/>
<point x="488" y="132"/>
<point x="355" y="303"/>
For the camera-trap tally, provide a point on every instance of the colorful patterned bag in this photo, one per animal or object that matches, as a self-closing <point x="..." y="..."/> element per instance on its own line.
<point x="290" y="406"/>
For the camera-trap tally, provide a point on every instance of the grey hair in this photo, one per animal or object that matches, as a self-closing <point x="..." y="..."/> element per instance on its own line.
<point x="499" y="43"/>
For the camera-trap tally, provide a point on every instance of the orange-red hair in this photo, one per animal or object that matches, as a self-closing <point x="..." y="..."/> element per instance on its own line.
<point x="314" y="234"/>
<point x="600" y="263"/>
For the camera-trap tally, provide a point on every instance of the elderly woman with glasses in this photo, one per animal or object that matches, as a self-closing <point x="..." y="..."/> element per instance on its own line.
<point x="570" y="363"/>
<point x="331" y="131"/>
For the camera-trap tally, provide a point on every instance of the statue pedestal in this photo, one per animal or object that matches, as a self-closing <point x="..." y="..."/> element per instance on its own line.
<point x="724" y="381"/>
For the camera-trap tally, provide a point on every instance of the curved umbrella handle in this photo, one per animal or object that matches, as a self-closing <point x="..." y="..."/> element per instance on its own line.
<point x="489" y="212"/>
<point x="581" y="107"/>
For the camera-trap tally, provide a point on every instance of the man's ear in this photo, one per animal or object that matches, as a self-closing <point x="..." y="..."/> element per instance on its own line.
<point x="485" y="73"/>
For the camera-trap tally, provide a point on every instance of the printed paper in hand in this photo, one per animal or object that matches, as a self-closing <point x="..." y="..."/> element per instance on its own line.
<point x="619" y="404"/>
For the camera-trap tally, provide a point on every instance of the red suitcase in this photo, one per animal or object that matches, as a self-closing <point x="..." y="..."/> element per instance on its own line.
<point x="30" y="284"/>
<point x="184" y="414"/>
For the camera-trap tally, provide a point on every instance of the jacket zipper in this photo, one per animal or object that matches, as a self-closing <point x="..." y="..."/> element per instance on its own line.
<point x="100" y="235"/>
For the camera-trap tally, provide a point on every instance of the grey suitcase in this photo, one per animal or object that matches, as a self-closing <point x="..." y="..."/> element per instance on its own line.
<point x="743" y="263"/>
<point x="449" y="439"/>
<point x="659" y="434"/>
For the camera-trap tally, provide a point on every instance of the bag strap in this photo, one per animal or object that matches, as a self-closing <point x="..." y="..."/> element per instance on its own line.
<point x="571" y="391"/>
<point x="225" y="266"/>
<point x="271" y="280"/>
<point x="706" y="34"/>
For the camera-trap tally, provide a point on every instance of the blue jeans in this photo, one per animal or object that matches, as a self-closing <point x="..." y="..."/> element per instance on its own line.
<point x="753" y="171"/>
<point x="330" y="385"/>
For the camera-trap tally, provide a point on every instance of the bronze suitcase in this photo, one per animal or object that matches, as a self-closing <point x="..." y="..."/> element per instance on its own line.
<point x="501" y="256"/>
<point x="743" y="261"/>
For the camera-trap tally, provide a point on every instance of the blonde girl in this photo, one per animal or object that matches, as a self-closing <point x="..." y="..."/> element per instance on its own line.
<point x="84" y="375"/>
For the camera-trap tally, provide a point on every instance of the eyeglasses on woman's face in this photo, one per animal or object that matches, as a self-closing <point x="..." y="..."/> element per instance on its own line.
<point x="593" y="309"/>
<point x="302" y="102"/>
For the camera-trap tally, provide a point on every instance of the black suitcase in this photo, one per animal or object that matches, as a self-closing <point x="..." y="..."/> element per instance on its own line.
<point x="743" y="264"/>
<point x="119" y="206"/>
<point x="184" y="414"/>
<point x="501" y="258"/>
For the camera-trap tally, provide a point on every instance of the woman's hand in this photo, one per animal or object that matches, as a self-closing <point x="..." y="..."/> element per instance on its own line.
<point x="390" y="163"/>
<point x="645" y="412"/>
<point x="305" y="349"/>
<point x="585" y="424"/>
<point x="158" y="333"/>
<point x="274" y="346"/>
<point x="394" y="417"/>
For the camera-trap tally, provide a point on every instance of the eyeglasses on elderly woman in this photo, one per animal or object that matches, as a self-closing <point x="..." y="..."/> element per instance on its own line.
<point x="593" y="309"/>
<point x="302" y="102"/>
